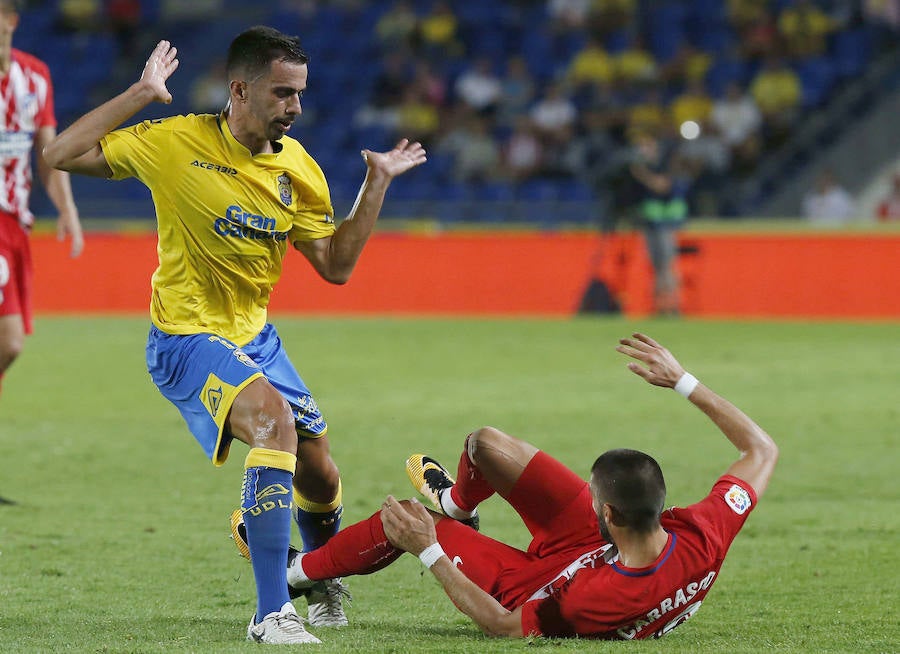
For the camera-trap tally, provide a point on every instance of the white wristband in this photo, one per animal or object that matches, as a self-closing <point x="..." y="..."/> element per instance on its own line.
<point x="686" y="385"/>
<point x="431" y="554"/>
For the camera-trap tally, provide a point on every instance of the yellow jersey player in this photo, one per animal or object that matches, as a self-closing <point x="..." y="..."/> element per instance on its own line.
<point x="231" y="192"/>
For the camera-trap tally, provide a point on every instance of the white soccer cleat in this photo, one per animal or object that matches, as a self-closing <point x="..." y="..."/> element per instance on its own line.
<point x="326" y="606"/>
<point x="282" y="627"/>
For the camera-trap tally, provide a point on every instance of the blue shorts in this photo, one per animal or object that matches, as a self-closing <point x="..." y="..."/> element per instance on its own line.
<point x="201" y="374"/>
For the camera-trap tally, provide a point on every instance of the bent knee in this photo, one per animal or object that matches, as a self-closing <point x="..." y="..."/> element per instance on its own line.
<point x="490" y="448"/>
<point x="261" y="417"/>
<point x="483" y="441"/>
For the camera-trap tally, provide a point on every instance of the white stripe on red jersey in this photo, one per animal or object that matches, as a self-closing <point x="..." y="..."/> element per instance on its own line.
<point x="26" y="105"/>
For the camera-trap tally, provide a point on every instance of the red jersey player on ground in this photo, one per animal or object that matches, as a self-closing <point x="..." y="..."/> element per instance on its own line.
<point x="606" y="561"/>
<point x="27" y="124"/>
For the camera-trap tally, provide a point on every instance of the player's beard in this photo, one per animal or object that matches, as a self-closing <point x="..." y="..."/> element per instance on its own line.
<point x="604" y="529"/>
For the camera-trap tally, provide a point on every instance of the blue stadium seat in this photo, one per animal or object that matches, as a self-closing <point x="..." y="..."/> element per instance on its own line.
<point x="723" y="72"/>
<point x="715" y="39"/>
<point x="539" y="189"/>
<point x="817" y="77"/>
<point x="850" y="51"/>
<point x="665" y="29"/>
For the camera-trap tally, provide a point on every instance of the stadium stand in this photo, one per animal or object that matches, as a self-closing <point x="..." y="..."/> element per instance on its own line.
<point x="652" y="50"/>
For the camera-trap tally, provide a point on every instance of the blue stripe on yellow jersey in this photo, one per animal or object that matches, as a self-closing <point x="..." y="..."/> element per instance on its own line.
<point x="224" y="218"/>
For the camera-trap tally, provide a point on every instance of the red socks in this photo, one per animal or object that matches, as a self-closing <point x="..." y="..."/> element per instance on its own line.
<point x="470" y="489"/>
<point x="359" y="549"/>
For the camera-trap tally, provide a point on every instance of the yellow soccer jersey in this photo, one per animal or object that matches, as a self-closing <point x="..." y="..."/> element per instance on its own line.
<point x="224" y="218"/>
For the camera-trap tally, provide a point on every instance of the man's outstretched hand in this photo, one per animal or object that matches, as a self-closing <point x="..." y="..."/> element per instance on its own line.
<point x="660" y="367"/>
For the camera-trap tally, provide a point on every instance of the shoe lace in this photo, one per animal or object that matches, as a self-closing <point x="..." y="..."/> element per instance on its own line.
<point x="290" y="623"/>
<point x="333" y="593"/>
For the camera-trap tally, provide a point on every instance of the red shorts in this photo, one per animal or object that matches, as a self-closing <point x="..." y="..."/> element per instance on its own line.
<point x="15" y="270"/>
<point x="555" y="505"/>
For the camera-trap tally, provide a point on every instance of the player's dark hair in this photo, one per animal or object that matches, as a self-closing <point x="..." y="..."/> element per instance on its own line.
<point x="632" y="482"/>
<point x="254" y="50"/>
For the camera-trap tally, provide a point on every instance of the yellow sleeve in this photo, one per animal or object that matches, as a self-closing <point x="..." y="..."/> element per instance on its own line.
<point x="314" y="218"/>
<point x="136" y="151"/>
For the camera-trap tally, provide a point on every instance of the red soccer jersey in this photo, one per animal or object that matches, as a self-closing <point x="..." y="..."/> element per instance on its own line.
<point x="598" y="598"/>
<point x="26" y="105"/>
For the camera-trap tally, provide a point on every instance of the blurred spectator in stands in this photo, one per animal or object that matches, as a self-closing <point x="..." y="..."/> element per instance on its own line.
<point x="78" y="15"/>
<point x="635" y="64"/>
<point x="705" y="159"/>
<point x="417" y="120"/>
<point x="431" y="84"/>
<point x="883" y="12"/>
<point x="593" y="151"/>
<point x="828" y="203"/>
<point x="439" y="33"/>
<point x="648" y="114"/>
<point x="517" y="90"/>
<point x="522" y="153"/>
<point x="738" y="120"/>
<point x="741" y="13"/>
<point x="398" y="27"/>
<point x="804" y="29"/>
<point x="688" y="65"/>
<point x="591" y="65"/>
<point x="568" y="15"/>
<point x="609" y="16"/>
<point x="662" y="209"/>
<point x="889" y="208"/>
<point x="693" y="104"/>
<point x="777" y="92"/>
<point x="756" y="29"/>
<point x="387" y="92"/>
<point x="209" y="90"/>
<point x="554" y="115"/>
<point x="478" y="87"/>
<point x="476" y="155"/>
<point x="607" y="101"/>
<point x="124" y="19"/>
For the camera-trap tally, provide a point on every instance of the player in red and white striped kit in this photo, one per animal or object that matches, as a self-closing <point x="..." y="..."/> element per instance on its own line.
<point x="27" y="124"/>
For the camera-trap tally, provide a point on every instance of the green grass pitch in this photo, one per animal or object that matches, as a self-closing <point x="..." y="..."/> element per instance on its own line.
<point x="119" y="541"/>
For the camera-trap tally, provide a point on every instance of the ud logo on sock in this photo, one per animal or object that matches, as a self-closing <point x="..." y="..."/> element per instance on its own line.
<point x="272" y="491"/>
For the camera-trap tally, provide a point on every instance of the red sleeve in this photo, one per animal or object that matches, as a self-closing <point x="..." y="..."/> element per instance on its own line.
<point x="722" y="513"/>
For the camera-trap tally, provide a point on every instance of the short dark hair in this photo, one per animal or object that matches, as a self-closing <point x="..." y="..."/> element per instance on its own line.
<point x="632" y="482"/>
<point x="253" y="50"/>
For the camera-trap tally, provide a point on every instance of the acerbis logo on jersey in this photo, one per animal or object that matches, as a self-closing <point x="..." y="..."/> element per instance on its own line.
<point x="219" y="168"/>
<point x="738" y="499"/>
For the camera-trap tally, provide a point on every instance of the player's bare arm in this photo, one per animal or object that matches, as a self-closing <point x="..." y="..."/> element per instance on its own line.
<point x="410" y="527"/>
<point x="77" y="149"/>
<point x="59" y="189"/>
<point x="334" y="257"/>
<point x="758" y="452"/>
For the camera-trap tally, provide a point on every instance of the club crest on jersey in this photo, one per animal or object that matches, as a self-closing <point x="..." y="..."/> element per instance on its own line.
<point x="284" y="189"/>
<point x="738" y="499"/>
